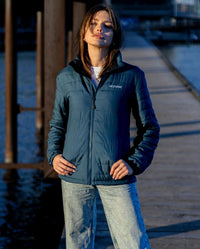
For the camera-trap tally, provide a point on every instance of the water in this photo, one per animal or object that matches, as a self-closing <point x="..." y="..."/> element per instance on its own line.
<point x="186" y="59"/>
<point x="22" y="192"/>
<point x="26" y="78"/>
<point x="19" y="207"/>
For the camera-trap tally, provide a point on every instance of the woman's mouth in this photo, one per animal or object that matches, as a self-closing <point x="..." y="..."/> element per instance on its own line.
<point x="98" y="36"/>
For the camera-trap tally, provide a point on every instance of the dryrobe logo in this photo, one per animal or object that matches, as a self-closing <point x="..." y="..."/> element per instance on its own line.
<point x="115" y="86"/>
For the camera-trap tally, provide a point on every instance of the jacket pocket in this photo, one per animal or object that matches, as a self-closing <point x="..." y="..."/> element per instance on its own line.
<point x="103" y="169"/>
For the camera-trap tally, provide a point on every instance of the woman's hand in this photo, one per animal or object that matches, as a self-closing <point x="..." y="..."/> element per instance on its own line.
<point x="62" y="166"/>
<point x="120" y="169"/>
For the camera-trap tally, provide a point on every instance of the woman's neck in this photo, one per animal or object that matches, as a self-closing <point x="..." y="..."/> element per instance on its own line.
<point x="97" y="56"/>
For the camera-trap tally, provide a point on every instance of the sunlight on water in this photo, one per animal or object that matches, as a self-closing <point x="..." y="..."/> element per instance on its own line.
<point x="186" y="59"/>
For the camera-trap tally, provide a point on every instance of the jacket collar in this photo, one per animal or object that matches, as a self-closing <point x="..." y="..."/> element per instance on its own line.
<point x="78" y="66"/>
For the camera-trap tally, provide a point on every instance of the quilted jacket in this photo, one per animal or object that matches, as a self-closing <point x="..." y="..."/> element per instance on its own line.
<point x="91" y="127"/>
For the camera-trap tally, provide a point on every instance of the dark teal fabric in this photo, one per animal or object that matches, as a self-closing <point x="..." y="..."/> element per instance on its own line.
<point x="91" y="127"/>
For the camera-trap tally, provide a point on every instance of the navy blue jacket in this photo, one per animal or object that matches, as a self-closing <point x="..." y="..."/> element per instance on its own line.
<point x="91" y="127"/>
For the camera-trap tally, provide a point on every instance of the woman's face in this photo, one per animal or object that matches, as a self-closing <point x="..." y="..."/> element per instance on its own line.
<point x="99" y="32"/>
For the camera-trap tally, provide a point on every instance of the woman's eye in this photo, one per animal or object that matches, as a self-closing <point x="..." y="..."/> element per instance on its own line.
<point x="93" y="23"/>
<point x="108" y="26"/>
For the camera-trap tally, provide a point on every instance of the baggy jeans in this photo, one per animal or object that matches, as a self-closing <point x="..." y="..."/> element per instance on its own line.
<point x="122" y="211"/>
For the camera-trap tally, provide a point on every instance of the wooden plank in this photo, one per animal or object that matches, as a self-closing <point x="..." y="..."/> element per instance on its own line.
<point x="39" y="166"/>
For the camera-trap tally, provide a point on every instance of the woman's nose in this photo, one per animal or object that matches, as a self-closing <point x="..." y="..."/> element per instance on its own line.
<point x="99" y="28"/>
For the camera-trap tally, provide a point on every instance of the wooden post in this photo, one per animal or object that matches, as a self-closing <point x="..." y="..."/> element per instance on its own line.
<point x="54" y="61"/>
<point x="79" y="10"/>
<point x="11" y="84"/>
<point x="69" y="47"/>
<point x="39" y="76"/>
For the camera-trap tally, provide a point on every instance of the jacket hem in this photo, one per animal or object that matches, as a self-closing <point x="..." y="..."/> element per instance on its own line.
<point x="98" y="182"/>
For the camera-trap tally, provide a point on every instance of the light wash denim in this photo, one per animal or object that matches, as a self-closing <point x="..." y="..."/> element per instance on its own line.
<point x="122" y="210"/>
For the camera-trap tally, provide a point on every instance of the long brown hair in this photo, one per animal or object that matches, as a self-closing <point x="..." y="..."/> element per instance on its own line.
<point x="114" y="47"/>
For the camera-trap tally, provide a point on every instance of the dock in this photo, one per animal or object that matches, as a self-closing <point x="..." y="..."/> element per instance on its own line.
<point x="169" y="190"/>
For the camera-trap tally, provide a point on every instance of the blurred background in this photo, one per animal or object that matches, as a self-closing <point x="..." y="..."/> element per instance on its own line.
<point x="37" y="39"/>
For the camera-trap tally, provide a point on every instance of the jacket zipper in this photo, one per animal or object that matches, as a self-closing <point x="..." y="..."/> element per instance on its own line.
<point x="91" y="133"/>
<point x="94" y="97"/>
<point x="90" y="145"/>
<point x="94" y="92"/>
<point x="94" y="102"/>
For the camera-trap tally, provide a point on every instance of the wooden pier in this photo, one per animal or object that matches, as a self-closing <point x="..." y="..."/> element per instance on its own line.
<point x="169" y="190"/>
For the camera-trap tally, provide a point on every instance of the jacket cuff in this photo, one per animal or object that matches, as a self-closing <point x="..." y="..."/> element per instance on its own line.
<point x="135" y="168"/>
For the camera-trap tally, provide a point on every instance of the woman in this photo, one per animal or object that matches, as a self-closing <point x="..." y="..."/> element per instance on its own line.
<point x="89" y="138"/>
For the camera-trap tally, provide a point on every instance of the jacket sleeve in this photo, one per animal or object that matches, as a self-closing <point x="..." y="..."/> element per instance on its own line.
<point x="58" y="123"/>
<point x="145" y="143"/>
